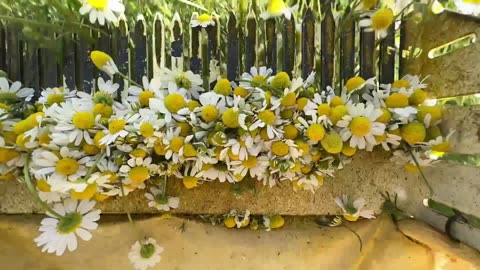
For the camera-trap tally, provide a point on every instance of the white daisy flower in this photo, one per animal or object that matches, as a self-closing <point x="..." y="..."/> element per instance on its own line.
<point x="388" y="139"/>
<point x="118" y="127"/>
<point x="468" y="6"/>
<point x="142" y="96"/>
<point x="101" y="10"/>
<point x="253" y="165"/>
<point x="278" y="8"/>
<point x="255" y="78"/>
<point x="202" y="20"/>
<point x="55" y="95"/>
<point x="104" y="62"/>
<point x="183" y="79"/>
<point x="311" y="180"/>
<point x="353" y="210"/>
<point x="157" y="200"/>
<point x="359" y="125"/>
<point x="318" y="111"/>
<point x="47" y="195"/>
<point x="282" y="149"/>
<point x="404" y="115"/>
<point x="378" y="21"/>
<point x="11" y="93"/>
<point x="174" y="144"/>
<point x="60" y="233"/>
<point x="245" y="146"/>
<point x="405" y="159"/>
<point x="172" y="105"/>
<point x="148" y="125"/>
<point x="138" y="170"/>
<point x="212" y="106"/>
<point x="145" y="254"/>
<point x="218" y="171"/>
<point x="271" y="120"/>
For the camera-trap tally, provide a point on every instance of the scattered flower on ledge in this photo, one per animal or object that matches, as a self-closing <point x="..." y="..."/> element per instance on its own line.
<point x="352" y="210"/>
<point x="145" y="254"/>
<point x="157" y="200"/>
<point x="273" y="222"/>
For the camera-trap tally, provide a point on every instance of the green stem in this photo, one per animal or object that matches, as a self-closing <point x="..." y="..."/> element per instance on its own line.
<point x="262" y="85"/>
<point x="91" y="169"/>
<point x="128" y="79"/>
<point x="28" y="182"/>
<point x="420" y="170"/>
<point x="123" y="195"/>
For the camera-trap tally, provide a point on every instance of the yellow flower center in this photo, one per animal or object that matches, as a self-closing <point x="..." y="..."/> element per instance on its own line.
<point x="159" y="148"/>
<point x="276" y="7"/>
<point x="413" y="132"/>
<point x="67" y="166"/>
<point x="354" y="84"/>
<point x="87" y="194"/>
<point x="290" y="132"/>
<point x="276" y="222"/>
<point x="332" y="143"/>
<point x="434" y="111"/>
<point x="146" y="130"/>
<point x="281" y="81"/>
<point x="418" y="97"/>
<point x="360" y="126"/>
<point x="289" y="99"/>
<point x="189" y="150"/>
<point x="397" y="100"/>
<point x="83" y="120"/>
<point x="401" y="84"/>
<point x="258" y="80"/>
<point x="209" y="113"/>
<point x="323" y="109"/>
<point x="301" y="103"/>
<point x="287" y="114"/>
<point x="44" y="138"/>
<point x="185" y="128"/>
<point x="190" y="182"/>
<point x="315" y="132"/>
<point x="97" y="138"/>
<point x="267" y="116"/>
<point x="348" y="151"/>
<point x="174" y="102"/>
<point x="303" y="146"/>
<point x="280" y="148"/>
<point x="229" y="222"/>
<point x="100" y="59"/>
<point x="7" y="154"/>
<point x="138" y="153"/>
<point x="223" y="87"/>
<point x="176" y="144"/>
<point x="116" y="125"/>
<point x="55" y="99"/>
<point x="204" y="18"/>
<point x="385" y="117"/>
<point x="104" y="110"/>
<point x="138" y="174"/>
<point x="191" y="105"/>
<point x="230" y="118"/>
<point x="90" y="149"/>
<point x="251" y="162"/>
<point x="43" y="186"/>
<point x="144" y="98"/>
<point x="241" y="92"/>
<point x="382" y="19"/>
<point x="381" y="138"/>
<point x="336" y="101"/>
<point x="98" y="4"/>
<point x="305" y="169"/>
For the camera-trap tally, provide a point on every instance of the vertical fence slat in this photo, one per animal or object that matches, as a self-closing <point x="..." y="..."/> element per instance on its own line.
<point x="3" y="48"/>
<point x="139" y="68"/>
<point x="308" y="43"/>
<point x="121" y="57"/>
<point x="327" y="46"/>
<point x="232" y="48"/>
<point x="69" y="62"/>
<point x="250" y="42"/>
<point x="85" y="68"/>
<point x="271" y="45"/>
<point x="48" y="72"/>
<point x="104" y="44"/>
<point x="195" y="61"/>
<point x="31" y="68"/>
<point x="387" y="57"/>
<point x="213" y="42"/>
<point x="347" y="51"/>
<point x="177" y="43"/>
<point x="288" y="45"/>
<point x="159" y="41"/>
<point x="367" y="50"/>
<point x="13" y="53"/>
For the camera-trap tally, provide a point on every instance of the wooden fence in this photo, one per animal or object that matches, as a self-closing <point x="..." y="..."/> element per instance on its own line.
<point x="141" y="50"/>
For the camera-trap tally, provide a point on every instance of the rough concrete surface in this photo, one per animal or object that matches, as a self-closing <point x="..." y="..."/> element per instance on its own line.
<point x="466" y="123"/>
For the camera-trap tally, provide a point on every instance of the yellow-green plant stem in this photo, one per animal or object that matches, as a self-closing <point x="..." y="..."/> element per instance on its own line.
<point x="128" y="79"/>
<point x="123" y="195"/>
<point x="420" y="170"/>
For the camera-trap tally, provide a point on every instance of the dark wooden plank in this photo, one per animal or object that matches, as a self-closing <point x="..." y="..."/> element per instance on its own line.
<point x="69" y="62"/>
<point x="347" y="51"/>
<point x="48" y="68"/>
<point x="3" y="48"/>
<point x="30" y="76"/>
<point x="232" y="48"/>
<point x="195" y="60"/>
<point x="177" y="43"/>
<point x="213" y="42"/>
<point x="159" y="40"/>
<point x="85" y="68"/>
<point x="139" y="36"/>
<point x="121" y="56"/>
<point x="250" y="42"/>
<point x="104" y="44"/>
<point x="271" y="45"/>
<point x="327" y="46"/>
<point x="403" y="47"/>
<point x="367" y="50"/>
<point x="387" y="57"/>
<point x="288" y="45"/>
<point x="14" y="67"/>
<point x="308" y="43"/>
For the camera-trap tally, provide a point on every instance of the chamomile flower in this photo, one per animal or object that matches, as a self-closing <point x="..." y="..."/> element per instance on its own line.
<point x="278" y="8"/>
<point x="409" y="162"/>
<point x="142" y="96"/>
<point x="273" y="222"/>
<point x="246" y="145"/>
<point x="217" y="171"/>
<point x="183" y="79"/>
<point x="46" y="194"/>
<point x="353" y="210"/>
<point x="145" y="254"/>
<point x="282" y="149"/>
<point x="356" y="83"/>
<point x="379" y="21"/>
<point x="138" y="170"/>
<point x="11" y="93"/>
<point x="104" y="62"/>
<point x="173" y="105"/>
<point x="60" y="233"/>
<point x="157" y="200"/>
<point x="175" y="144"/>
<point x="256" y="77"/>
<point x="388" y="140"/>
<point x="254" y="166"/>
<point x="212" y="105"/>
<point x="117" y="128"/>
<point x="468" y="6"/>
<point x="202" y="20"/>
<point x="360" y="125"/>
<point x="101" y="10"/>
<point x="55" y="95"/>
<point x="269" y="119"/>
